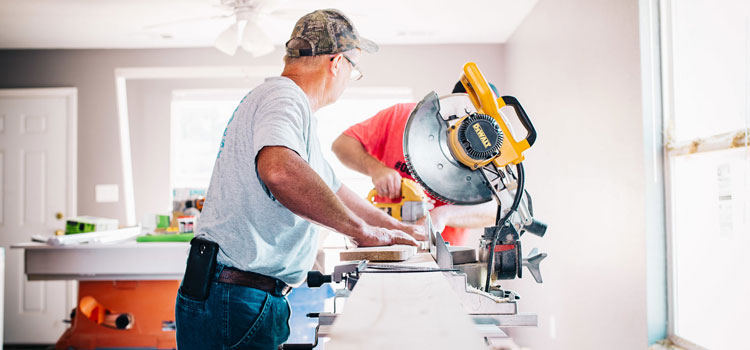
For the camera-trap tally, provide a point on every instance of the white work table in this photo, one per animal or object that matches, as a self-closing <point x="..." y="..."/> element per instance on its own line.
<point x="404" y="311"/>
<point x="98" y="262"/>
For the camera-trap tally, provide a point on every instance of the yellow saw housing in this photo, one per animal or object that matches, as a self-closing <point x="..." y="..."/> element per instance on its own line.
<point x="412" y="204"/>
<point x="486" y="128"/>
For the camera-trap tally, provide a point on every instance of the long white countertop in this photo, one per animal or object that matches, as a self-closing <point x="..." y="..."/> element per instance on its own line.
<point x="119" y="261"/>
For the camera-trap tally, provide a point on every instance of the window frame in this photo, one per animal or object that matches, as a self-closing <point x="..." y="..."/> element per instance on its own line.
<point x="672" y="149"/>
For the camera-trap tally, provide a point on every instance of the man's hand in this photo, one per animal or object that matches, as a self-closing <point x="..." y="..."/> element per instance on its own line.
<point x="352" y="153"/>
<point x="387" y="182"/>
<point x="418" y="230"/>
<point x="378" y="236"/>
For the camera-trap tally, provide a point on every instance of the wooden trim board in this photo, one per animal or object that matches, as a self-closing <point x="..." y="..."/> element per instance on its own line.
<point x="389" y="253"/>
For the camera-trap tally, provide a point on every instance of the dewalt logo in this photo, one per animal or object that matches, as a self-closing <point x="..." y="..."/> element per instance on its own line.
<point x="482" y="136"/>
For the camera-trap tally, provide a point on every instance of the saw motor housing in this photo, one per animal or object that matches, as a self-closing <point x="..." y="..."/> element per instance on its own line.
<point x="483" y="137"/>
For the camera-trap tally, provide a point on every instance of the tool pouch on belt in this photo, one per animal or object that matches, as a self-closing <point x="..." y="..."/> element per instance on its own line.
<point x="201" y="266"/>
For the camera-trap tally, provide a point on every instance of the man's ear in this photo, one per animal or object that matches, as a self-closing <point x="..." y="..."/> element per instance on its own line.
<point x="335" y="64"/>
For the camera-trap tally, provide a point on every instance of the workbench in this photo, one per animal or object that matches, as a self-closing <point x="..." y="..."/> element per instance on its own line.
<point x="101" y="262"/>
<point x="403" y="311"/>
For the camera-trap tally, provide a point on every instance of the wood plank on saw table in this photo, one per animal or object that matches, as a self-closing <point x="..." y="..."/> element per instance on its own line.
<point x="398" y="252"/>
<point x="403" y="311"/>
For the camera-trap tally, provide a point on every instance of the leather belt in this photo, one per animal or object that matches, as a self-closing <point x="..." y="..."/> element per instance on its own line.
<point x="254" y="280"/>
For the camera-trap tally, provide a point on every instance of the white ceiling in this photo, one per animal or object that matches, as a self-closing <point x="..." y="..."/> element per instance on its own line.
<point x="123" y="23"/>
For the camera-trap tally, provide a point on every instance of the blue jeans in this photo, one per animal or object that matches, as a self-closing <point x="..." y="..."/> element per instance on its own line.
<point x="232" y="317"/>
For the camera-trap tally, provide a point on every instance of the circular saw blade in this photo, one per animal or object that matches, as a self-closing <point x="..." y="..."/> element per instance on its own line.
<point x="428" y="155"/>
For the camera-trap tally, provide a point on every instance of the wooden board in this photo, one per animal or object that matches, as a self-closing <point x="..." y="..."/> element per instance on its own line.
<point x="389" y="253"/>
<point x="404" y="311"/>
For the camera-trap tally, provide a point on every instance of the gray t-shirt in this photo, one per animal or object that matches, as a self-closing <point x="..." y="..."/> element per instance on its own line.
<point x="255" y="232"/>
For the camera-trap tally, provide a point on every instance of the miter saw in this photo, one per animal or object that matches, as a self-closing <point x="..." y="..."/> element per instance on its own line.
<point x="462" y="150"/>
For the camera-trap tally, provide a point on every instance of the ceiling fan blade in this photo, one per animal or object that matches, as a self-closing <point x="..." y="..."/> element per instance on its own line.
<point x="185" y="20"/>
<point x="226" y="42"/>
<point x="288" y="14"/>
<point x="255" y="40"/>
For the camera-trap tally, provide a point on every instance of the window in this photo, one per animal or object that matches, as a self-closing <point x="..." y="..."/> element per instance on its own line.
<point x="706" y="60"/>
<point x="199" y="118"/>
<point x="354" y="106"/>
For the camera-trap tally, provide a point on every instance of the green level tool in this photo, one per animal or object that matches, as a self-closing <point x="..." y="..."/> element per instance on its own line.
<point x="178" y="237"/>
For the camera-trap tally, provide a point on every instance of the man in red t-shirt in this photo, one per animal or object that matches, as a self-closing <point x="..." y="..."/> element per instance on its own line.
<point x="374" y="147"/>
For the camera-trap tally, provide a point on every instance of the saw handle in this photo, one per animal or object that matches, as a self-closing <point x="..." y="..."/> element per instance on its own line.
<point x="391" y="208"/>
<point x="484" y="100"/>
<point x="478" y="89"/>
<point x="523" y="118"/>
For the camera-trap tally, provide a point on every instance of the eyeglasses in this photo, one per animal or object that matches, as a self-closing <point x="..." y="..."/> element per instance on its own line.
<point x="356" y="73"/>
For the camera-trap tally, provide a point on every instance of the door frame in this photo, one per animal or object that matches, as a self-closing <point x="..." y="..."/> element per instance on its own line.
<point x="71" y="149"/>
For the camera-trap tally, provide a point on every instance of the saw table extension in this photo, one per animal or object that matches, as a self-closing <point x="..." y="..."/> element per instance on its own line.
<point x="403" y="311"/>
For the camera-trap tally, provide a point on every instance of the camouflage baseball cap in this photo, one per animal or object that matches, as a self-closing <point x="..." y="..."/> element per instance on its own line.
<point x="328" y="32"/>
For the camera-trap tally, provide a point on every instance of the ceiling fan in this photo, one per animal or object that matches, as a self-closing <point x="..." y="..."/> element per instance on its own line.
<point x="244" y="32"/>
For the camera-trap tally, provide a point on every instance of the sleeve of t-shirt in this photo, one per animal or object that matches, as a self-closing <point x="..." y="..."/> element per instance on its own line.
<point x="281" y="122"/>
<point x="373" y="132"/>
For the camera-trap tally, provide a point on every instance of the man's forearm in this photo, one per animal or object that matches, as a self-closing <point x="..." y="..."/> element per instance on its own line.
<point x="302" y="191"/>
<point x="352" y="154"/>
<point x="350" y="151"/>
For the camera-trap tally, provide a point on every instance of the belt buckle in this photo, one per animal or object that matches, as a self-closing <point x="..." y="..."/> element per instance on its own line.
<point x="286" y="290"/>
<point x="282" y="288"/>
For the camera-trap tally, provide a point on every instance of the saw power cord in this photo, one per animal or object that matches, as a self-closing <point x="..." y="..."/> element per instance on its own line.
<point x="503" y="221"/>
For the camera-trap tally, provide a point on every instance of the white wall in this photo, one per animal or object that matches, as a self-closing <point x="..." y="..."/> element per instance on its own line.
<point x="575" y="67"/>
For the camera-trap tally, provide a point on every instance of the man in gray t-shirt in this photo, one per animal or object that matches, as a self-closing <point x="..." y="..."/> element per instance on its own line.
<point x="270" y="190"/>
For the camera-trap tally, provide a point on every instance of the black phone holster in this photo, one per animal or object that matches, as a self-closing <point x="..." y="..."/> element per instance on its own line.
<point x="201" y="266"/>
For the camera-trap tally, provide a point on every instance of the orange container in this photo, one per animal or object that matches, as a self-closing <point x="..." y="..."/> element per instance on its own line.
<point x="151" y="303"/>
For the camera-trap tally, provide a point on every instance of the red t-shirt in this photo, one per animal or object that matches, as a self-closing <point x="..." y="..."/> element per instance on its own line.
<point x="383" y="137"/>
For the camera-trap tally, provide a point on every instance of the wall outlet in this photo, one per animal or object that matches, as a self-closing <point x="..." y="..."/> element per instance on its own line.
<point x="109" y="193"/>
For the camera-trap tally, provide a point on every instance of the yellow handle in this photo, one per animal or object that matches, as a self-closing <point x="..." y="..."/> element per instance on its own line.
<point x="479" y="90"/>
<point x="371" y="195"/>
<point x="410" y="191"/>
<point x="483" y="99"/>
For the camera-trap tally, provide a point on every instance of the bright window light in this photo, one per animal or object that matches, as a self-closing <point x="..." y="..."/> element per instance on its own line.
<point x="354" y="106"/>
<point x="707" y="65"/>
<point x="199" y="118"/>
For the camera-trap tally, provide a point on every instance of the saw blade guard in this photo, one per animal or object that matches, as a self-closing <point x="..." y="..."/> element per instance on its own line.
<point x="429" y="158"/>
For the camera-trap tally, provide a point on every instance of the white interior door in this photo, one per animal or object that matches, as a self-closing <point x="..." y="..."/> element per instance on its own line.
<point x="37" y="161"/>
